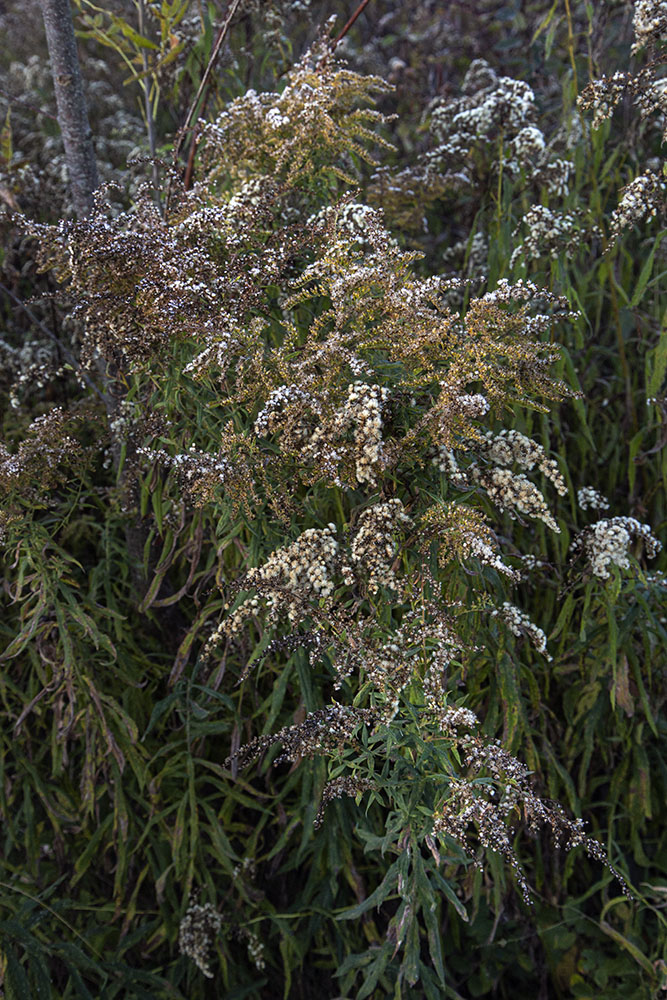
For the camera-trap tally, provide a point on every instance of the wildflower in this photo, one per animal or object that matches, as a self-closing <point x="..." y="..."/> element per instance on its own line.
<point x="520" y="624"/>
<point x="607" y="542"/>
<point x="587" y="498"/>
<point x="197" y="932"/>
<point x="649" y="22"/>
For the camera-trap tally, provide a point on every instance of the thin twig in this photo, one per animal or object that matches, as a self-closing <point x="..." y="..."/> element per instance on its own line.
<point x="349" y="24"/>
<point x="222" y="34"/>
<point x="48" y="333"/>
<point x="150" y="121"/>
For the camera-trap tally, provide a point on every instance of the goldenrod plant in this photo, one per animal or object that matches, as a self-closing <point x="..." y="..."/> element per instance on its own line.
<point x="334" y="650"/>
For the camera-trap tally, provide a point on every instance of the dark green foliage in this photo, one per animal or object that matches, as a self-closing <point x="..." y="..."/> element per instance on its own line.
<point x="164" y="744"/>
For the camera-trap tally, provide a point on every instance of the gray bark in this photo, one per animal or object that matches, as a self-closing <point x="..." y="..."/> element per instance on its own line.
<point x="71" y="103"/>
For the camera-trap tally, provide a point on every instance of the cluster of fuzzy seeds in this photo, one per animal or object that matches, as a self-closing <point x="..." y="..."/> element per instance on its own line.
<point x="291" y="577"/>
<point x="462" y="532"/>
<point x="445" y="460"/>
<point x="348" y="785"/>
<point x="548" y="233"/>
<point x="513" y="446"/>
<point x="520" y="624"/>
<point x="514" y="493"/>
<point x="200" y="473"/>
<point x="351" y="219"/>
<point x="197" y="932"/>
<point x="373" y="550"/>
<point x="644" y="196"/>
<point x="649" y="22"/>
<point x="602" y="95"/>
<point x="274" y="412"/>
<point x="363" y="408"/>
<point x="41" y="458"/>
<point x="466" y="807"/>
<point x="607" y="543"/>
<point x="556" y="176"/>
<point x="324" y="732"/>
<point x="589" y="499"/>
<point x="488" y="808"/>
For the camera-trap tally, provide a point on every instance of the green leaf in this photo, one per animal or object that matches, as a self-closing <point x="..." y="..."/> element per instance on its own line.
<point x="17" y="986"/>
<point x="376" y="898"/>
<point x="645" y="272"/>
<point x="6" y="144"/>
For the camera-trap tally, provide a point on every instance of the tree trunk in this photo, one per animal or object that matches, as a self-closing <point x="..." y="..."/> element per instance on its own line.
<point x="71" y="103"/>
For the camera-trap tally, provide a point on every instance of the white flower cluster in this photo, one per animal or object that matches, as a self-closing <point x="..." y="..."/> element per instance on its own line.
<point x="644" y="196"/>
<point x="649" y="22"/>
<point x="548" y="234"/>
<point x="373" y="549"/>
<point x="556" y="176"/>
<point x="472" y="404"/>
<point x="192" y="464"/>
<point x="255" y="949"/>
<point x="607" y="543"/>
<point x="363" y="408"/>
<point x="468" y="257"/>
<point x="513" y="446"/>
<point x="459" y="718"/>
<point x="500" y="103"/>
<point x="475" y="547"/>
<point x="196" y="934"/>
<point x="494" y="109"/>
<point x="520" y="624"/>
<point x="121" y="422"/>
<point x="445" y="460"/>
<point x="221" y="339"/>
<point x="588" y="498"/>
<point x="352" y="218"/>
<point x="272" y="416"/>
<point x="528" y="145"/>
<point x="602" y="95"/>
<point x="511" y="492"/>
<point x="275" y="118"/>
<point x="520" y="291"/>
<point x="288" y="580"/>
<point x="508" y="490"/>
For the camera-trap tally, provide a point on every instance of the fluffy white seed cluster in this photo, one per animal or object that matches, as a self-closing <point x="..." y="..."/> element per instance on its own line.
<point x="602" y="95"/>
<point x="475" y="547"/>
<point x="556" y="176"/>
<point x="644" y="196"/>
<point x="468" y="257"/>
<point x="373" y="550"/>
<point x="514" y="494"/>
<point x="547" y="234"/>
<point x="590" y="499"/>
<point x="352" y="219"/>
<point x="446" y="462"/>
<point x="520" y="624"/>
<point x="273" y="413"/>
<point x="607" y="543"/>
<point x="513" y="446"/>
<point x="363" y="408"/>
<point x="458" y="718"/>
<point x="276" y="119"/>
<point x="472" y="404"/>
<point x="528" y="144"/>
<point x="200" y="473"/>
<point x="255" y="949"/>
<point x="196" y="934"/>
<point x="121" y="422"/>
<point x="290" y="578"/>
<point x="649" y="22"/>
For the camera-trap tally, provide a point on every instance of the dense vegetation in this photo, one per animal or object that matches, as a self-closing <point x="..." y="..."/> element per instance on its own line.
<point x="333" y="482"/>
